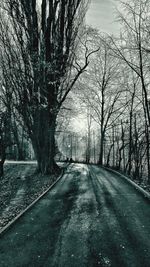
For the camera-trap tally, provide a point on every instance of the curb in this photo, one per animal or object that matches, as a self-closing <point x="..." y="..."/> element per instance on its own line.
<point x="7" y="226"/>
<point x="137" y="187"/>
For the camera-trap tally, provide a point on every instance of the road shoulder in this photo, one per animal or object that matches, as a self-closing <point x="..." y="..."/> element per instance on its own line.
<point x="136" y="186"/>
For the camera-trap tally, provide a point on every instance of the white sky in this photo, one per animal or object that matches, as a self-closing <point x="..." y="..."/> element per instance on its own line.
<point x="102" y="15"/>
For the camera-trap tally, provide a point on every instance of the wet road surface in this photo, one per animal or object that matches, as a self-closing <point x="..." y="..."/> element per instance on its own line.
<point x="90" y="218"/>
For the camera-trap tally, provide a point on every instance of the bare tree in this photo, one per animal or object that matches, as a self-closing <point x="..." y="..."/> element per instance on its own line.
<point x="41" y="46"/>
<point x="132" y="46"/>
<point x="135" y="53"/>
<point x="101" y="91"/>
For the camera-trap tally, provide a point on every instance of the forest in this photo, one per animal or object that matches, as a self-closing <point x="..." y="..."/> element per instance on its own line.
<point x="74" y="134"/>
<point x="55" y="68"/>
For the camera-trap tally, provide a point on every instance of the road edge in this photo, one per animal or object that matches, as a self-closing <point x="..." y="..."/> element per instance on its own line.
<point x="7" y="226"/>
<point x="140" y="189"/>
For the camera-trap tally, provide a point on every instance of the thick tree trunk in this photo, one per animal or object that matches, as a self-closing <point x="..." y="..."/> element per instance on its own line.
<point x="1" y="168"/>
<point x="2" y="161"/>
<point x="43" y="142"/>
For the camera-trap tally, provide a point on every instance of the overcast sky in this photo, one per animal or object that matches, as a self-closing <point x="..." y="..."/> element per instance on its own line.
<point x="102" y="15"/>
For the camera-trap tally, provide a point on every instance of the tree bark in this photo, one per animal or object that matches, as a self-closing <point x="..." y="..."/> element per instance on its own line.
<point x="130" y="145"/>
<point x="1" y="168"/>
<point x="101" y="149"/>
<point x="2" y="161"/>
<point x="43" y="141"/>
<point x="147" y="151"/>
<point x="108" y="156"/>
<point x="20" y="154"/>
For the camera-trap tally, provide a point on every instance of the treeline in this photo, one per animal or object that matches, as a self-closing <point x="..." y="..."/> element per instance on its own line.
<point x="109" y="76"/>
<point x="116" y="95"/>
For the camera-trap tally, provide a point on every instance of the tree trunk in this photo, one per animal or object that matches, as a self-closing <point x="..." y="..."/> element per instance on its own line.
<point x="43" y="141"/>
<point x="136" y="151"/>
<point x="19" y="144"/>
<point x="113" y="140"/>
<point x="88" y="149"/>
<point x="147" y="151"/>
<point x="1" y="168"/>
<point x="101" y="149"/>
<point x="108" y="156"/>
<point x="130" y="146"/>
<point x="2" y="161"/>
<point x="121" y="149"/>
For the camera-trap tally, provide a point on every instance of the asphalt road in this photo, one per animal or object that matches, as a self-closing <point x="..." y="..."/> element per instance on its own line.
<point x="90" y="218"/>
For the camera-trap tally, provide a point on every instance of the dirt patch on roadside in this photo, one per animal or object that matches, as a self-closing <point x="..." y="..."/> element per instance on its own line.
<point x="19" y="187"/>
